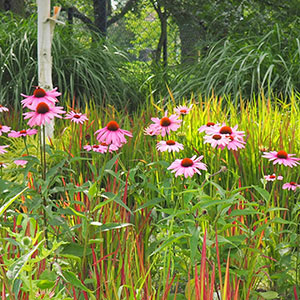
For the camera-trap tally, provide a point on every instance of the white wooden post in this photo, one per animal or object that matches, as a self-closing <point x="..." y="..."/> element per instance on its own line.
<point x="45" y="35"/>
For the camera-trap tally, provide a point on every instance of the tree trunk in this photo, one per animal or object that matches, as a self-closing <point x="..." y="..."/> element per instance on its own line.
<point x="189" y="37"/>
<point x="16" y="6"/>
<point x="162" y="43"/>
<point x="100" y="15"/>
<point x="191" y="32"/>
<point x="45" y="35"/>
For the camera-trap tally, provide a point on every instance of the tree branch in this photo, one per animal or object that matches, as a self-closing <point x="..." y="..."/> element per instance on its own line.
<point x="86" y="20"/>
<point x="129" y="4"/>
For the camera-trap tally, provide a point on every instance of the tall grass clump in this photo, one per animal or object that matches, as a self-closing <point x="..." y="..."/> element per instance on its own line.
<point x="245" y="67"/>
<point x="82" y="68"/>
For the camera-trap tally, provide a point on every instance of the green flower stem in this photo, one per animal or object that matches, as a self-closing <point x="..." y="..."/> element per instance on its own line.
<point x="43" y="165"/>
<point x="88" y="213"/>
<point x="25" y="143"/>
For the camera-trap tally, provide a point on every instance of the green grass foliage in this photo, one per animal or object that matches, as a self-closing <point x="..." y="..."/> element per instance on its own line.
<point x="81" y="68"/>
<point x="245" y="67"/>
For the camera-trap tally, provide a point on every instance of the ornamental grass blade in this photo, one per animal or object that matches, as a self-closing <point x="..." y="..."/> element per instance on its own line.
<point x="9" y="202"/>
<point x="219" y="262"/>
<point x="226" y="282"/>
<point x="203" y="269"/>
<point x="295" y="293"/>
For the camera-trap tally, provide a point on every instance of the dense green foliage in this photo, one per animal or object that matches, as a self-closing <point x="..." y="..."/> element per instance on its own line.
<point x="244" y="67"/>
<point x="81" y="69"/>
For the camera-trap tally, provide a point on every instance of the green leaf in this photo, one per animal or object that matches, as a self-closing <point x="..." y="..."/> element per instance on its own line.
<point x="72" y="278"/>
<point x="110" y="163"/>
<point x="96" y="241"/>
<point x="206" y="204"/>
<point x="9" y="202"/>
<point x="110" y="226"/>
<point x="77" y="158"/>
<point x="45" y="284"/>
<point x="152" y="202"/>
<point x="77" y="213"/>
<point x="114" y="174"/>
<point x="48" y="275"/>
<point x="276" y="209"/>
<point x="169" y="241"/>
<point x="75" y="249"/>
<point x="19" y="264"/>
<point x="282" y="221"/>
<point x="220" y="190"/>
<point x="93" y="190"/>
<point x="194" y="241"/>
<point x="102" y="204"/>
<point x="117" y="199"/>
<point x="265" y="194"/>
<point x="269" y="295"/>
<point x="244" y="212"/>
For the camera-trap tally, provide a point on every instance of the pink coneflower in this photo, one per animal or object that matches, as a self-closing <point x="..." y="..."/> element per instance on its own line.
<point x="235" y="143"/>
<point x="208" y="125"/>
<point x="76" y="117"/>
<point x="101" y="148"/>
<point x="273" y="177"/>
<point x="236" y="138"/>
<point x="166" y="124"/>
<point x="112" y="134"/>
<point x="95" y="148"/>
<point x="225" y="130"/>
<point x="2" y="151"/>
<point x="3" y="108"/>
<point x="282" y="158"/>
<point x="43" y="114"/>
<point x="110" y="148"/>
<point x="3" y="165"/>
<point x="22" y="133"/>
<point x="40" y="95"/>
<point x="151" y="130"/>
<point x="182" y="109"/>
<point x="187" y="166"/>
<point x="169" y="145"/>
<point x="216" y="140"/>
<point x="4" y="129"/>
<point x="21" y="162"/>
<point x="291" y="186"/>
